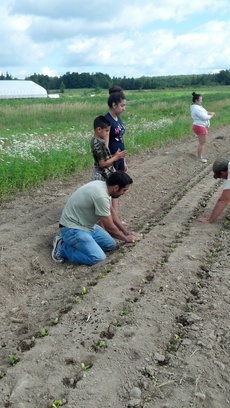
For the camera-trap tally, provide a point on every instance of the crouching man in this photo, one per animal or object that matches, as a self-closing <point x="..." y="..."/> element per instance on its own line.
<point x="221" y="169"/>
<point x="82" y="240"/>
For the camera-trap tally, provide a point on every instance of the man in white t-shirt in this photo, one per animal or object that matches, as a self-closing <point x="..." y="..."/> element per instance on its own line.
<point x="221" y="169"/>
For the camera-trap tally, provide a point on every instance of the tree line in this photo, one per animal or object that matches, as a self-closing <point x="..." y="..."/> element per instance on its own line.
<point x="99" y="81"/>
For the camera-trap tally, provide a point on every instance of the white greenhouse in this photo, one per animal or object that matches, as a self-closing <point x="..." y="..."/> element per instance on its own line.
<point x="15" y="89"/>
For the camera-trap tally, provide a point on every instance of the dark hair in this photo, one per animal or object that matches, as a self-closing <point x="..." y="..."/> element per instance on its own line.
<point x="119" y="178"/>
<point x="115" y="88"/>
<point x="195" y="96"/>
<point x="101" y="121"/>
<point x="115" y="97"/>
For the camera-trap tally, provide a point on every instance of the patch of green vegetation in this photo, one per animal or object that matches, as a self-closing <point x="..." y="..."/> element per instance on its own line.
<point x="46" y="139"/>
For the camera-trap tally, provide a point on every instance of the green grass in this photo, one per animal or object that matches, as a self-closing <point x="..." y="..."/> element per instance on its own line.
<point x="43" y="139"/>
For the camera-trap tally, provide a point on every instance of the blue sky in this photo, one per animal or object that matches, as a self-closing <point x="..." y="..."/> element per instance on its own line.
<point x="131" y="38"/>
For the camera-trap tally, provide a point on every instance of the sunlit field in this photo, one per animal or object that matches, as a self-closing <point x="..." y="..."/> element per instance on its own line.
<point x="43" y="139"/>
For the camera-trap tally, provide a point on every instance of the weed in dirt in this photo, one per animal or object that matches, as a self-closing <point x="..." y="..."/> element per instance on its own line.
<point x="2" y="374"/>
<point x="124" y="313"/>
<point x="44" y="332"/>
<point x="56" y="320"/>
<point x="100" y="276"/>
<point x="218" y="249"/>
<point x="84" y="367"/>
<point x="56" y="404"/>
<point x="194" y="310"/>
<point x="173" y="246"/>
<point x="13" y="359"/>
<point x="83" y="291"/>
<point x="226" y="224"/>
<point x="173" y="346"/>
<point x="148" y="399"/>
<point x="108" y="269"/>
<point x="102" y="344"/>
<point x="149" y="226"/>
<point x="78" y="299"/>
<point x="120" y="255"/>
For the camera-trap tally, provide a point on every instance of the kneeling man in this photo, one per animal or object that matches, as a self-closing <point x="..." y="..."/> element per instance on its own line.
<point x="82" y="239"/>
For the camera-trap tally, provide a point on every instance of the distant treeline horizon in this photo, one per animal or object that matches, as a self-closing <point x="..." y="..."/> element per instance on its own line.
<point x="99" y="81"/>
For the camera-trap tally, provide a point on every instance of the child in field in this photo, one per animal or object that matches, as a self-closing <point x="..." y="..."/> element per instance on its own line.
<point x="103" y="160"/>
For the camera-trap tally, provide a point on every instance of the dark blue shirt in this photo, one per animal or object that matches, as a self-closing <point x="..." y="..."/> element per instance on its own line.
<point x="116" y="133"/>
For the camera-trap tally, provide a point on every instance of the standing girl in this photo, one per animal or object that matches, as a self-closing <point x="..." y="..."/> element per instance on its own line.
<point x="115" y="142"/>
<point x="201" y="123"/>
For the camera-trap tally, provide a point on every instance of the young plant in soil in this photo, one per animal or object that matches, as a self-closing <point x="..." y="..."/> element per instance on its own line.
<point x="56" y="404"/>
<point x="124" y="313"/>
<point x="44" y="332"/>
<point x="13" y="359"/>
<point x="78" y="299"/>
<point x="56" y="320"/>
<point x="84" y="367"/>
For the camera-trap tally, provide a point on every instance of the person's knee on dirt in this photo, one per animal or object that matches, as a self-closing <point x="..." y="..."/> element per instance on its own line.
<point x="81" y="239"/>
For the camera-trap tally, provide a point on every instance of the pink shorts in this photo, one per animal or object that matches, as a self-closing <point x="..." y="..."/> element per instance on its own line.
<point x="199" y="130"/>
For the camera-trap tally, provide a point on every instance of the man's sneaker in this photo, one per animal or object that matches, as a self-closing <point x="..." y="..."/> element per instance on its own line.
<point x="201" y="160"/>
<point x="56" y="252"/>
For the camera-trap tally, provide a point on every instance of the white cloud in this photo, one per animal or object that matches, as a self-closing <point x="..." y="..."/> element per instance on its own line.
<point x="138" y="37"/>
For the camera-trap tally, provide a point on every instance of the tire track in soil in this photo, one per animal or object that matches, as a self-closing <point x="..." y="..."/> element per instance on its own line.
<point x="158" y="265"/>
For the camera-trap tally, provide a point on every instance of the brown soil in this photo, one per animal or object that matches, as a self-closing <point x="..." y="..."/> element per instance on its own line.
<point x="153" y="330"/>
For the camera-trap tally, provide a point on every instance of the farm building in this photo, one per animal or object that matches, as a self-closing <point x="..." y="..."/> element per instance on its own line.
<point x="15" y="89"/>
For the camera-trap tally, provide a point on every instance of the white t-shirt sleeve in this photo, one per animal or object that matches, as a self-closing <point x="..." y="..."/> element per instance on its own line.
<point x="227" y="182"/>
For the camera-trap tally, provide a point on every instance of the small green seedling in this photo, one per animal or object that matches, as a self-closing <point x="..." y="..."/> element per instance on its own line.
<point x="226" y="224"/>
<point x="84" y="367"/>
<point x="173" y="346"/>
<point x="102" y="343"/>
<point x="119" y="324"/>
<point x="100" y="276"/>
<point x="177" y="336"/>
<point x="173" y="245"/>
<point x="56" y="320"/>
<point x="124" y="313"/>
<point x="57" y="404"/>
<point x="78" y="299"/>
<point x="218" y="249"/>
<point x="108" y="269"/>
<point x="83" y="291"/>
<point x="178" y="235"/>
<point x="120" y="255"/>
<point x="154" y="379"/>
<point x="44" y="332"/>
<point x="2" y="374"/>
<point x="148" y="399"/>
<point x="13" y="359"/>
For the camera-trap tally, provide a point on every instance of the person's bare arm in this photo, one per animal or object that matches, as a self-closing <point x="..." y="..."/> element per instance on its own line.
<point x="120" y="224"/>
<point x="219" y="207"/>
<point x="120" y="154"/>
<point x="114" y="231"/>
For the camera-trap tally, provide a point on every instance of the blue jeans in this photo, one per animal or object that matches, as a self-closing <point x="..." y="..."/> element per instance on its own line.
<point x="86" y="247"/>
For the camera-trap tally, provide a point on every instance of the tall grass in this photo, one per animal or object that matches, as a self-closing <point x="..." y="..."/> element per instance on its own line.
<point x="50" y="138"/>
